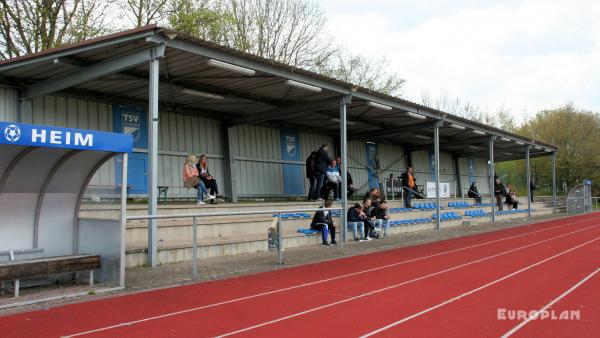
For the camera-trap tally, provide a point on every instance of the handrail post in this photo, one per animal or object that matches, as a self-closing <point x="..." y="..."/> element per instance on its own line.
<point x="194" y="248"/>
<point x="279" y="241"/>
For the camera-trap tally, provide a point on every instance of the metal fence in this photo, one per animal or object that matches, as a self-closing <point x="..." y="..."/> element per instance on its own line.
<point x="278" y="242"/>
<point x="579" y="199"/>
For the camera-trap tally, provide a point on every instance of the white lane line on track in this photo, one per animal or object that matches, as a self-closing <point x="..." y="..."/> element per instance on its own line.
<point x="557" y="299"/>
<point x="462" y="295"/>
<point x="170" y="314"/>
<point x="395" y="285"/>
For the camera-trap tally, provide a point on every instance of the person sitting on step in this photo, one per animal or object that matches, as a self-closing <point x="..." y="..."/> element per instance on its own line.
<point x="511" y="197"/>
<point x="209" y="180"/>
<point x="334" y="182"/>
<point x="355" y="221"/>
<point x="381" y="213"/>
<point x="323" y="222"/>
<point x="474" y="193"/>
<point x="191" y="179"/>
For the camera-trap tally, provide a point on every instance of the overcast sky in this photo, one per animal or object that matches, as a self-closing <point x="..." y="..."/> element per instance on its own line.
<point x="521" y="55"/>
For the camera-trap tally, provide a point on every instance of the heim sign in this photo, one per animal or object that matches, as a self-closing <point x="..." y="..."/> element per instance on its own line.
<point x="55" y="137"/>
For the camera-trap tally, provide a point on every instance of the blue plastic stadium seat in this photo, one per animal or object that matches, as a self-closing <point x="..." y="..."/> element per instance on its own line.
<point x="307" y="231"/>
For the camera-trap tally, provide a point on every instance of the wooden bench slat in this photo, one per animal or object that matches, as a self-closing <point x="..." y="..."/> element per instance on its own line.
<point x="47" y="266"/>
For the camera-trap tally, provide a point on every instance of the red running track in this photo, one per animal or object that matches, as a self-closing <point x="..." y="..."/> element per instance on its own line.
<point x="449" y="288"/>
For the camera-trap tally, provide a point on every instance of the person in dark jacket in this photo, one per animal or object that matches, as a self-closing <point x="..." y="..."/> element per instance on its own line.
<point x="311" y="162"/>
<point x="532" y="188"/>
<point x="511" y="197"/>
<point x="355" y="221"/>
<point x="369" y="219"/>
<point x="499" y="192"/>
<point x="322" y="221"/>
<point x="209" y="180"/>
<point x="351" y="188"/>
<point x="322" y="160"/>
<point x="382" y="215"/>
<point x="474" y="193"/>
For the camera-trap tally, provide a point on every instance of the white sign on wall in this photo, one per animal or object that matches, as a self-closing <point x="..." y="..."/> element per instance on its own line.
<point x="444" y="189"/>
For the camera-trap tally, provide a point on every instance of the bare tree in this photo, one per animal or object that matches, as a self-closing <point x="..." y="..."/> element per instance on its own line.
<point x="28" y="26"/>
<point x="144" y="12"/>
<point x="287" y="31"/>
<point x="374" y="74"/>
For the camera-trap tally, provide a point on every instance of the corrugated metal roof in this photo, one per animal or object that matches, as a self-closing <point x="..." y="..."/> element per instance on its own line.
<point x="248" y="95"/>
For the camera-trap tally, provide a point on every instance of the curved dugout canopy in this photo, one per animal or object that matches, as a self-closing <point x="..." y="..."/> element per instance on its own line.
<point x="44" y="172"/>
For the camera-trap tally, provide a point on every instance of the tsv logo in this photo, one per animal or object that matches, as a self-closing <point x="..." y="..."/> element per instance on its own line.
<point x="12" y="133"/>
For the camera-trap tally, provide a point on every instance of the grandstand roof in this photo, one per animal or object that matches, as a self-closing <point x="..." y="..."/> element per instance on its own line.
<point x="114" y="68"/>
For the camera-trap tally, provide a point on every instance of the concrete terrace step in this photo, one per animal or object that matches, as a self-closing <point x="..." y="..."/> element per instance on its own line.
<point x="179" y="250"/>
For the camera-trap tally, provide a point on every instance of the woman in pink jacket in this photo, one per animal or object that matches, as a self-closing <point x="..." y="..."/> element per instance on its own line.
<point x="191" y="179"/>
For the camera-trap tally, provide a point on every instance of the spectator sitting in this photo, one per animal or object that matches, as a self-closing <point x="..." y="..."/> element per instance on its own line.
<point x="209" y="181"/>
<point x="356" y="222"/>
<point x="473" y="193"/>
<point x="323" y="222"/>
<point x="191" y="179"/>
<point x="381" y="213"/>
<point x="374" y="196"/>
<point x="322" y="160"/>
<point x="351" y="188"/>
<point x="311" y="174"/>
<point x="370" y="220"/>
<point x="334" y="181"/>
<point x="511" y="197"/>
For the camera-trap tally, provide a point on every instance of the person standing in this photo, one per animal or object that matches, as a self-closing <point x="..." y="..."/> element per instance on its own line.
<point x="532" y="188"/>
<point x="409" y="185"/>
<point x="311" y="161"/>
<point x="499" y="193"/>
<point x="322" y="161"/>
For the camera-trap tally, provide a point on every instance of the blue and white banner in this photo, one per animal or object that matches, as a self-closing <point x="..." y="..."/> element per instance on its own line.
<point x="293" y="180"/>
<point x="133" y="121"/>
<point x="432" y="164"/>
<point x="471" y="169"/>
<point x="68" y="138"/>
<point x="372" y="165"/>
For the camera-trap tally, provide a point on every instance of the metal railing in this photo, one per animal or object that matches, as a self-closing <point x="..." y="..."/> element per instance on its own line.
<point x="277" y="214"/>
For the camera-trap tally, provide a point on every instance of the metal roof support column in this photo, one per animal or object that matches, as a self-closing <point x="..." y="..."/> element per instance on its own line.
<point x="554" y="182"/>
<point x="491" y="174"/>
<point x="153" y="161"/>
<point x="459" y="191"/>
<point x="344" y="101"/>
<point x="436" y="149"/>
<point x="228" y="150"/>
<point x="528" y="183"/>
<point x="122" y="261"/>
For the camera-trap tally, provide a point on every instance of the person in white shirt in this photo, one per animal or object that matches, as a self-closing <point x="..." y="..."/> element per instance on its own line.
<point x="334" y="181"/>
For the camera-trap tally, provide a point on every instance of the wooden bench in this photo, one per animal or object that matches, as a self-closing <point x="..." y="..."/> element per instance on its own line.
<point x="39" y="267"/>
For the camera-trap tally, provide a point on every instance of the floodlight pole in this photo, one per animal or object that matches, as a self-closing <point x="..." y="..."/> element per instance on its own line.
<point x="153" y="159"/>
<point x="344" y="101"/>
<point x="436" y="149"/>
<point x="528" y="170"/>
<point x="554" y="182"/>
<point x="491" y="173"/>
